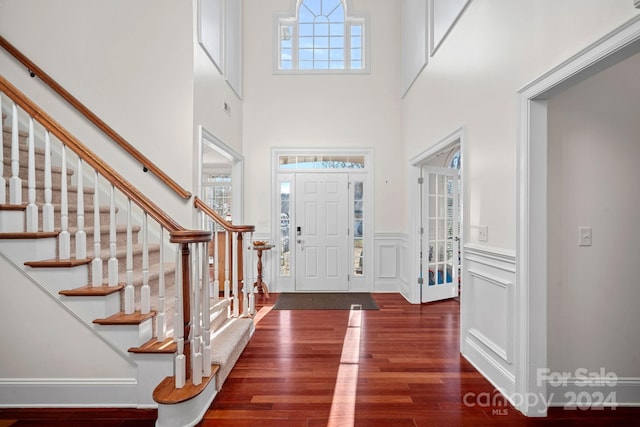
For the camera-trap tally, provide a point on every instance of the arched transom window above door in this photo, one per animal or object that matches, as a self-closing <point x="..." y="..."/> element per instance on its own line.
<point x="320" y="36"/>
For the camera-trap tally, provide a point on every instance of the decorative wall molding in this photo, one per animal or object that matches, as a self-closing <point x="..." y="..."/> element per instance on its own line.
<point x="390" y="250"/>
<point x="487" y="313"/>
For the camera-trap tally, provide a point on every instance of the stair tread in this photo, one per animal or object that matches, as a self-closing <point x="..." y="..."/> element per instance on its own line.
<point x="6" y="207"/>
<point x="91" y="291"/>
<point x="166" y="392"/>
<point x="121" y="318"/>
<point x="28" y="235"/>
<point x="58" y="263"/>
<point x="167" y="346"/>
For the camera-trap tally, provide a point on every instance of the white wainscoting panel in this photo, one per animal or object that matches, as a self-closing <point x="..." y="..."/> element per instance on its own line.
<point x="487" y="314"/>
<point x="390" y="262"/>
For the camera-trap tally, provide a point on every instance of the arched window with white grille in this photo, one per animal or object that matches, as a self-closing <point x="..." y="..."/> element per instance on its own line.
<point x="321" y="37"/>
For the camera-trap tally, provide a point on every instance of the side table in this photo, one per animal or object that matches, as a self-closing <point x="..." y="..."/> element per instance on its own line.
<point x="262" y="287"/>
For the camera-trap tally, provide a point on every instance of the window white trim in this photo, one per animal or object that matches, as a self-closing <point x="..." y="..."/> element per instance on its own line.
<point x="291" y="17"/>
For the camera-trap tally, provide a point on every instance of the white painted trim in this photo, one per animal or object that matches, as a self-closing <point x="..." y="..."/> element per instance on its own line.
<point x="432" y="42"/>
<point x="398" y="281"/>
<point x="494" y="267"/>
<point x="531" y="317"/>
<point x="505" y="353"/>
<point x="624" y="393"/>
<point x="69" y="392"/>
<point x="496" y="374"/>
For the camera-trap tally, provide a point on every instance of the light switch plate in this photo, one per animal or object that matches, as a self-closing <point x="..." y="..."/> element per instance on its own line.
<point x="483" y="233"/>
<point x="584" y="236"/>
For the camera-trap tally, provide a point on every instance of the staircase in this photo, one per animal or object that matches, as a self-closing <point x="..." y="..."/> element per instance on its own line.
<point x="94" y="255"/>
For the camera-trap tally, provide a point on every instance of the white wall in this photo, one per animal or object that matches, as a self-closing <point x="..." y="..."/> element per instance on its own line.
<point x="211" y="92"/>
<point x="320" y="111"/>
<point x="594" y="152"/>
<point x="129" y="62"/>
<point x="496" y="48"/>
<point x="46" y="348"/>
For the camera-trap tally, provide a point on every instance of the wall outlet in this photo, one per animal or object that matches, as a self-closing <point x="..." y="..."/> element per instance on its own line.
<point x="483" y="233"/>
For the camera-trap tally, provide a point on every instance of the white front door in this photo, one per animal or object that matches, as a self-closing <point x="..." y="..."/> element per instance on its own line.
<point x="441" y="233"/>
<point x="321" y="233"/>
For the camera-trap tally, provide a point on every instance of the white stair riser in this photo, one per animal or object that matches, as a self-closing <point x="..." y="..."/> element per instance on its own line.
<point x="126" y="336"/>
<point x="23" y="250"/>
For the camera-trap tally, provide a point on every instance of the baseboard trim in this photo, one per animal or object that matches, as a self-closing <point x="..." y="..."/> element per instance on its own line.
<point x="69" y="393"/>
<point x="578" y="393"/>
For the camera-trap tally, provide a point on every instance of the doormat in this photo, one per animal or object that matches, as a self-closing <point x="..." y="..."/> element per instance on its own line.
<point x="325" y="301"/>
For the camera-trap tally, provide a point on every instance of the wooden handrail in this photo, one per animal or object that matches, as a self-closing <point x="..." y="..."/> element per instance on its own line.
<point x="93" y="118"/>
<point x="88" y="156"/>
<point x="200" y="204"/>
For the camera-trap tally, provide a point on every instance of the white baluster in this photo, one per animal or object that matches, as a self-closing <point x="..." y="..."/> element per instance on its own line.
<point x="113" y="261"/>
<point x="64" y="239"/>
<point x="15" y="183"/>
<point x="236" y="275"/>
<point x="196" y="323"/>
<point x="206" y="315"/>
<point x="81" y="235"/>
<point x="145" y="291"/>
<point x="96" y="264"/>
<point x="47" y="209"/>
<point x="3" y="182"/>
<point x="129" y="293"/>
<point x="161" y="321"/>
<point x="180" y="365"/>
<point x="32" y="208"/>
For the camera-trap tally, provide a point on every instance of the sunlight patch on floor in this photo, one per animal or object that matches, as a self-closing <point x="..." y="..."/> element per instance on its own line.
<point x="343" y="405"/>
<point x="261" y="313"/>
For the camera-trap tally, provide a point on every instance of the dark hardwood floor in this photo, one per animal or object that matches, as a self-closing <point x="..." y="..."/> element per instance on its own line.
<point x="397" y="366"/>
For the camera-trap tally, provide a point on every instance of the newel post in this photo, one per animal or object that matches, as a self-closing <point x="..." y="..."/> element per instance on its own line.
<point x="184" y="239"/>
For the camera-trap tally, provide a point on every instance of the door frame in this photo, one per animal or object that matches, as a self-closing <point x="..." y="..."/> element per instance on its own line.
<point x="457" y="137"/>
<point x="237" y="173"/>
<point x="532" y="209"/>
<point x="364" y="283"/>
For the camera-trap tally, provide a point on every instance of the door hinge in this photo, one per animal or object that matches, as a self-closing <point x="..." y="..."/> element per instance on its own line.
<point x="420" y="280"/>
<point x="348" y="277"/>
<point x="420" y="180"/>
<point x="421" y="231"/>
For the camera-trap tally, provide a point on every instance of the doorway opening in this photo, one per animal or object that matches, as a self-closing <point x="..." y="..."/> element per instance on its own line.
<point x="220" y="177"/>
<point x="533" y="210"/>
<point x="437" y="216"/>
